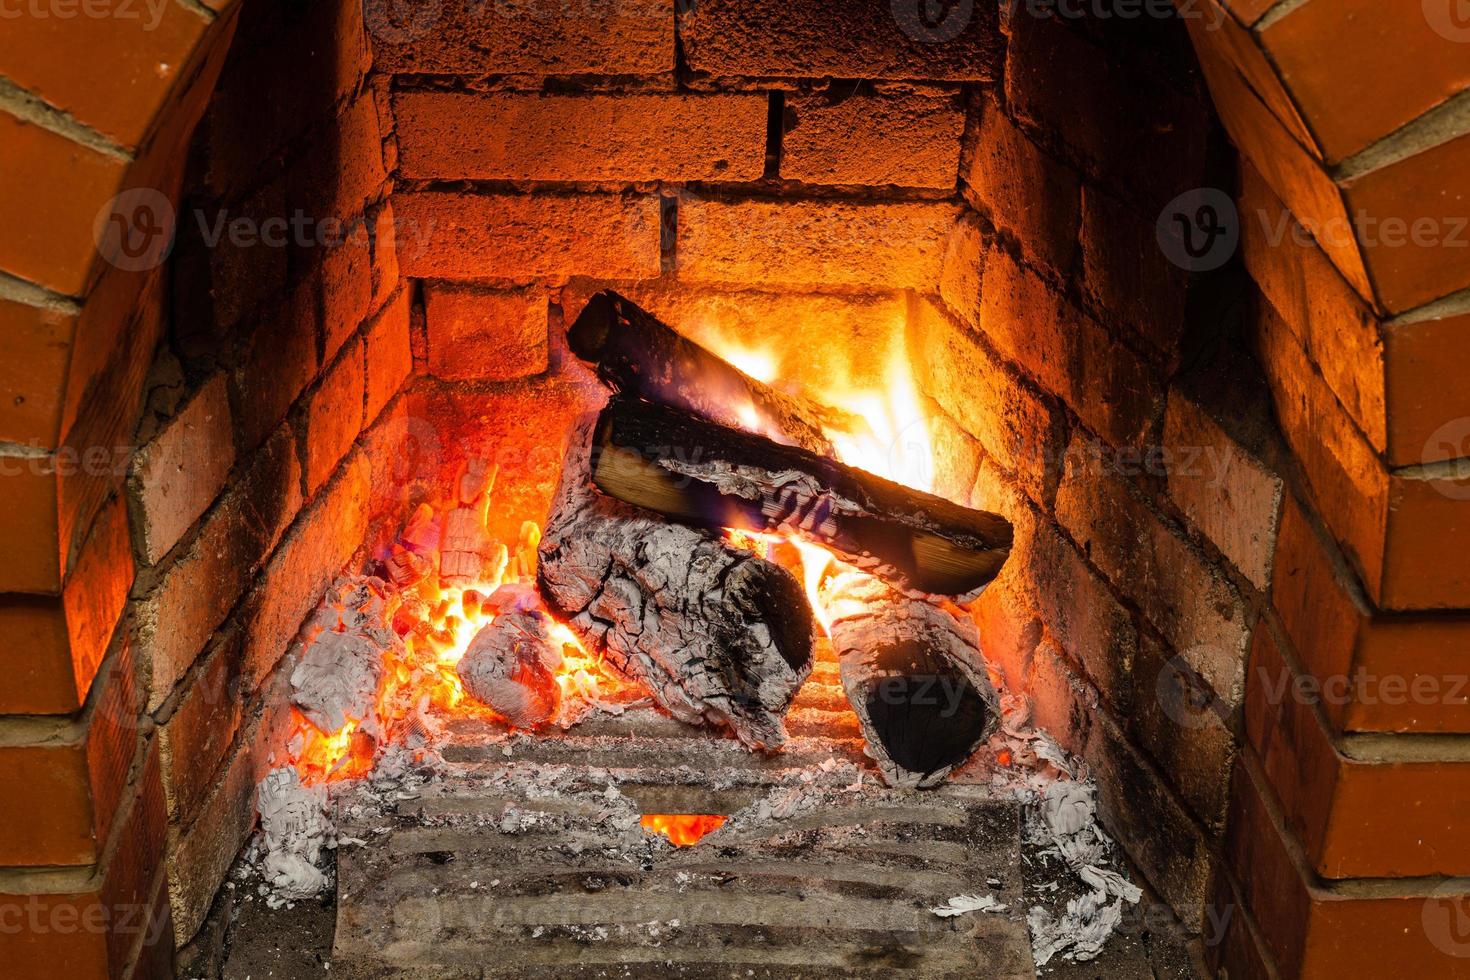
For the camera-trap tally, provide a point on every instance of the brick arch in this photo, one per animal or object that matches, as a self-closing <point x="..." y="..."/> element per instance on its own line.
<point x="1352" y="124"/>
<point x="89" y="107"/>
<point x="1351" y="121"/>
<point x="84" y="332"/>
<point x="1353" y="113"/>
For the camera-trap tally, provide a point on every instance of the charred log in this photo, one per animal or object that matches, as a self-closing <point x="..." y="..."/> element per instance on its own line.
<point x="915" y="678"/>
<point x="466" y="545"/>
<point x="710" y="476"/>
<point x="718" y="635"/>
<point x="640" y="355"/>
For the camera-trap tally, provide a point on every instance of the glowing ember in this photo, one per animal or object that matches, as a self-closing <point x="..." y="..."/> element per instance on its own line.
<point x="437" y="621"/>
<point x="345" y="754"/>
<point x="682" y="829"/>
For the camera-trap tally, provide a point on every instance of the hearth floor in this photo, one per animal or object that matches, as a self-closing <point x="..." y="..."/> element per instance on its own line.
<point x="527" y="860"/>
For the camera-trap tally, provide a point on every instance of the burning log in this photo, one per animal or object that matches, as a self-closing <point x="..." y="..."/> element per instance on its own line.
<point x="640" y="355"/>
<point x="406" y="568"/>
<point x="718" y="635"/>
<point x="711" y="476"/>
<point x="511" y="666"/>
<point x="915" y="678"/>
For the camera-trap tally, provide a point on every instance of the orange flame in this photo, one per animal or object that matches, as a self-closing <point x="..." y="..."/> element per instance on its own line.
<point x="892" y="438"/>
<point x="682" y="829"/>
<point x="421" y="676"/>
<point x="897" y="445"/>
<point x="345" y="754"/>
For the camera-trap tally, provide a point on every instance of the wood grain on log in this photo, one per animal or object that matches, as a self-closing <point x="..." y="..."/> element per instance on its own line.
<point x="712" y="476"/>
<point x="638" y="354"/>
<point x="915" y="678"/>
<point x="717" y="634"/>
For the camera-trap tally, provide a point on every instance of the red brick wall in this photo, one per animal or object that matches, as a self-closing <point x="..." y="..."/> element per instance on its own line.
<point x="287" y="347"/>
<point x="1352" y="216"/>
<point x="97" y="112"/>
<point x="983" y="193"/>
<point x="832" y="186"/>
<point x="234" y="389"/>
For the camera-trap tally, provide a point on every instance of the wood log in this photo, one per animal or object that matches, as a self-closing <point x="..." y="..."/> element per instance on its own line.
<point x="915" y="678"/>
<point x="718" y="635"/>
<point x="510" y="666"/>
<point x="640" y="355"/>
<point x="710" y="476"/>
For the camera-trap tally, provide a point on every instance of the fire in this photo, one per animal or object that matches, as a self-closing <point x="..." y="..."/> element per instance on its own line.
<point x="759" y="364"/>
<point x="682" y="829"/>
<point x="889" y="436"/>
<point x="897" y="445"/>
<point x="892" y="436"/>
<point x="345" y="754"/>
<point x="821" y="572"/>
<point x="437" y="623"/>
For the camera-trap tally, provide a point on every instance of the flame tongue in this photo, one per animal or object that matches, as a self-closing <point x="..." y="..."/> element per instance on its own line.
<point x="888" y="432"/>
<point x="439" y="617"/>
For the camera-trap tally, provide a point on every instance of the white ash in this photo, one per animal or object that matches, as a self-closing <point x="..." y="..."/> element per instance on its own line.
<point x="1064" y="824"/>
<point x="341" y="671"/>
<point x="961" y="904"/>
<point x="511" y="667"/>
<point x="337" y="681"/>
<point x="295" y="832"/>
<point x="1079" y="933"/>
<point x="358" y="604"/>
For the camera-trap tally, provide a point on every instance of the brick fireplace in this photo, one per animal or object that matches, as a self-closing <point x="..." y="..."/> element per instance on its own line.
<point x="1179" y="295"/>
